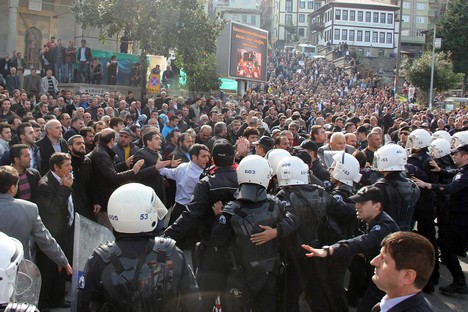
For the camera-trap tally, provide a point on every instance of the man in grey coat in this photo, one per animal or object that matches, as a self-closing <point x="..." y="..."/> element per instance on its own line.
<point x="20" y="219"/>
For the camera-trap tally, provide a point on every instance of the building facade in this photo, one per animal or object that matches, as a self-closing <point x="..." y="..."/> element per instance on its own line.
<point x="418" y="16"/>
<point x="29" y="24"/>
<point x="368" y="26"/>
<point x="290" y="20"/>
<point x="242" y="11"/>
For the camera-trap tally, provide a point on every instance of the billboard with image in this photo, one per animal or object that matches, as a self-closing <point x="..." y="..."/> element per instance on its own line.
<point x="242" y="52"/>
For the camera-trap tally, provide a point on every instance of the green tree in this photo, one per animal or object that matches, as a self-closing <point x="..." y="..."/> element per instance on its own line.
<point x="157" y="27"/>
<point x="418" y="72"/>
<point x="454" y="32"/>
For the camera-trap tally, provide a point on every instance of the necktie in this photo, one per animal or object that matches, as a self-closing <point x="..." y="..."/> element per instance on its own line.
<point x="71" y="211"/>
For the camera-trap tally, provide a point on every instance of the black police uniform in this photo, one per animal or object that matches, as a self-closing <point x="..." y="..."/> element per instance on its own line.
<point x="400" y="196"/>
<point x="109" y="280"/>
<point x="442" y="199"/>
<point x="320" y="171"/>
<point x="424" y="212"/>
<point x="310" y="203"/>
<point x="252" y="282"/>
<point x="368" y="245"/>
<point x="212" y="268"/>
<point x="454" y="234"/>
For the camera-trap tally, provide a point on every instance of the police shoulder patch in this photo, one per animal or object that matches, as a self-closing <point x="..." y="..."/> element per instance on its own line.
<point x="81" y="282"/>
<point x="222" y="219"/>
<point x="376" y="228"/>
<point x="338" y="197"/>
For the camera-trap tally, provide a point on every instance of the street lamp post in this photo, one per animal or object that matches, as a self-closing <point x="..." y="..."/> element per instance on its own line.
<point x="432" y="67"/>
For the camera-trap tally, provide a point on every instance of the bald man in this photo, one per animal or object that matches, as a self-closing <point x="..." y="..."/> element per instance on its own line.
<point x="51" y="143"/>
<point x="337" y="143"/>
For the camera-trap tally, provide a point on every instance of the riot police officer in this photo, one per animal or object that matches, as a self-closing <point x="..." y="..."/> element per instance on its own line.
<point x="379" y="224"/>
<point x="424" y="213"/>
<point x="400" y="194"/>
<point x="137" y="272"/>
<point x="454" y="234"/>
<point x="312" y="205"/>
<point x="10" y="257"/>
<point x="219" y="186"/>
<point x="250" y="225"/>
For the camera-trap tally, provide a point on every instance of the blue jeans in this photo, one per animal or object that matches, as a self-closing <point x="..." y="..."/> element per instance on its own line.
<point x="83" y="72"/>
<point x="60" y="71"/>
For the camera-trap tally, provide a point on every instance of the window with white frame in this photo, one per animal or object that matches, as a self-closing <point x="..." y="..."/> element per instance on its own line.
<point x="345" y="15"/>
<point x="368" y="17"/>
<point x="360" y="16"/>
<point x="376" y="17"/>
<point x="389" y="18"/>
<point x="289" y="6"/>
<point x="253" y="19"/>
<point x="389" y="38"/>
<point x="405" y="32"/>
<point x="301" y="18"/>
<point x="405" y="18"/>
<point x="344" y="35"/>
<point x="310" y="4"/>
<point x="382" y="37"/>
<point x="382" y="18"/>
<point x="337" y="34"/>
<point x="244" y="18"/>
<point x="301" y="32"/>
<point x="406" y="5"/>
<point x="352" y="15"/>
<point x="420" y="19"/>
<point x="337" y="14"/>
<point x="367" y="36"/>
<point x="421" y="6"/>
<point x="359" y="35"/>
<point x="288" y="19"/>
<point x="419" y="33"/>
<point x="302" y="4"/>
<point x="375" y="37"/>
<point x="351" y="34"/>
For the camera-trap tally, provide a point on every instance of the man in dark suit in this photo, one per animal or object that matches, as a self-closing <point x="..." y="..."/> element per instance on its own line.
<point x="402" y="269"/>
<point x="337" y="143"/>
<point x="51" y="143"/>
<point x="56" y="209"/>
<point x="84" y="57"/>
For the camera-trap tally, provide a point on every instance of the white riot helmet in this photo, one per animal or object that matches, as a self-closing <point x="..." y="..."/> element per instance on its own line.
<point x="135" y="208"/>
<point x="439" y="148"/>
<point x="255" y="170"/>
<point x="346" y="169"/>
<point x="419" y="139"/>
<point x="11" y="254"/>
<point x="442" y="134"/>
<point x="390" y="157"/>
<point x="274" y="157"/>
<point x="459" y="138"/>
<point x="292" y="171"/>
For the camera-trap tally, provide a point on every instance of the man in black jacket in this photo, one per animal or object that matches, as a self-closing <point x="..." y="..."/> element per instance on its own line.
<point x="55" y="204"/>
<point x="402" y="269"/>
<point x="108" y="177"/>
<point x="150" y="154"/>
<point x="51" y="143"/>
<point x="85" y="197"/>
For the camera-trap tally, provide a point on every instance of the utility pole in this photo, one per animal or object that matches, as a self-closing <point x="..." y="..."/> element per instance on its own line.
<point x="398" y="57"/>
<point x="432" y="67"/>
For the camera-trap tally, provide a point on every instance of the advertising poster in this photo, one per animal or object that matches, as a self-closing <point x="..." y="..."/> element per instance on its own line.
<point x="248" y="53"/>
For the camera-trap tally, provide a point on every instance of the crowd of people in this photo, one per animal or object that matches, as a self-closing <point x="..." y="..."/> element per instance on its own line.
<point x="314" y="163"/>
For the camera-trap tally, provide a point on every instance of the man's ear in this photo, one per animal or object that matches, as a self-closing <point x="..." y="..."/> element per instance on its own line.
<point x="408" y="277"/>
